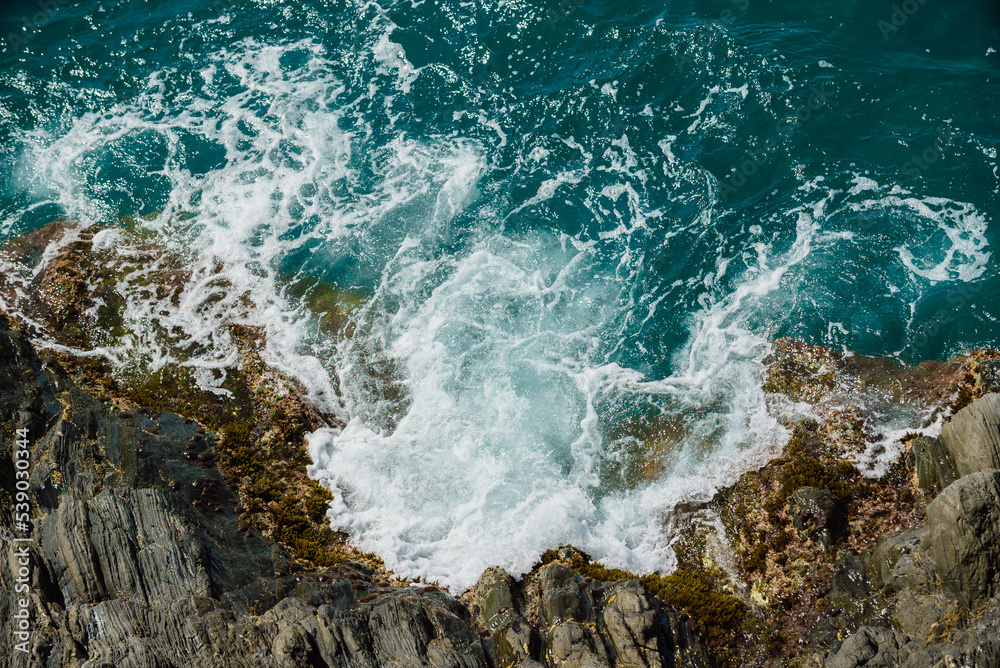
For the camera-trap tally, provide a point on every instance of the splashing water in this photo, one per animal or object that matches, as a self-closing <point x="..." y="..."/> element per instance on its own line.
<point x="572" y="237"/>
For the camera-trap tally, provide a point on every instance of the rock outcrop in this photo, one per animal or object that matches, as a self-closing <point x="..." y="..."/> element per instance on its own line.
<point x="972" y="436"/>
<point x="963" y="536"/>
<point x="143" y="553"/>
<point x="938" y="583"/>
<point x="582" y="622"/>
<point x="137" y="557"/>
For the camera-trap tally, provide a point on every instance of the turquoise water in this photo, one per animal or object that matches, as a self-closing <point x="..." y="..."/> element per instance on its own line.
<point x="575" y="227"/>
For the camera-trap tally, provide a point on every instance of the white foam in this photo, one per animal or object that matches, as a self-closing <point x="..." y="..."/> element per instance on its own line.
<point x="281" y="186"/>
<point x="481" y="382"/>
<point x="499" y="451"/>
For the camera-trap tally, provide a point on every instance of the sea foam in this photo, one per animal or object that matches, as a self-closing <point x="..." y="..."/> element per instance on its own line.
<point x="565" y="365"/>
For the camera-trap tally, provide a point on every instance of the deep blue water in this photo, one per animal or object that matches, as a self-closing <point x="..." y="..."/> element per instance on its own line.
<point x="569" y="224"/>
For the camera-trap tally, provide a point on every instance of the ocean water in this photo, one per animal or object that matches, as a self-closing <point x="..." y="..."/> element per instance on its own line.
<point x="569" y="231"/>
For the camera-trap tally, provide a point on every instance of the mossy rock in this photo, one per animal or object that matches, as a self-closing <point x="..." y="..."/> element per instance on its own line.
<point x="698" y="595"/>
<point x="687" y="589"/>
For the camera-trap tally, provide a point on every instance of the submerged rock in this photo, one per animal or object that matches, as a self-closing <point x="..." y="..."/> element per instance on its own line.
<point x="814" y="511"/>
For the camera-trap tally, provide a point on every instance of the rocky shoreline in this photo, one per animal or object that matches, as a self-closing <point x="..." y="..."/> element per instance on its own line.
<point x="176" y="527"/>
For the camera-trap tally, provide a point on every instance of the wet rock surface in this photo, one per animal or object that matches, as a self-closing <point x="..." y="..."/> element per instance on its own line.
<point x="905" y="576"/>
<point x="815" y="512"/>
<point x="933" y="463"/>
<point x="138" y="558"/>
<point x="937" y="583"/>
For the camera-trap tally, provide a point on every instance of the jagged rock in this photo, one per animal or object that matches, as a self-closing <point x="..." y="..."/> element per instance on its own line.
<point x="127" y="572"/>
<point x="897" y="562"/>
<point x="561" y="596"/>
<point x="985" y="655"/>
<point x="933" y="463"/>
<point x="919" y="615"/>
<point x="632" y="626"/>
<point x="566" y="606"/>
<point x="512" y="640"/>
<point x="958" y="654"/>
<point x="514" y="644"/>
<point x="495" y="599"/>
<point x="870" y="647"/>
<point x="963" y="536"/>
<point x="574" y="646"/>
<point x="972" y="436"/>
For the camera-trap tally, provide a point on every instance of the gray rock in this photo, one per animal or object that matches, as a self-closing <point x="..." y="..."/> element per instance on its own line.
<point x="495" y="599"/>
<point x="514" y="643"/>
<point x="935" y="656"/>
<point x="897" y="561"/>
<point x="972" y="436"/>
<point x="632" y="626"/>
<point x="562" y="597"/>
<point x="918" y="615"/>
<point x="933" y="462"/>
<point x="963" y="536"/>
<point x="567" y="609"/>
<point x="512" y="640"/>
<point x="870" y="647"/>
<point x="574" y="646"/>
<point x="986" y="655"/>
<point x="126" y="572"/>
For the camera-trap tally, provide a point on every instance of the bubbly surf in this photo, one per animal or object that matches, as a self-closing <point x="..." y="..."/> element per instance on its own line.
<point x="569" y="236"/>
